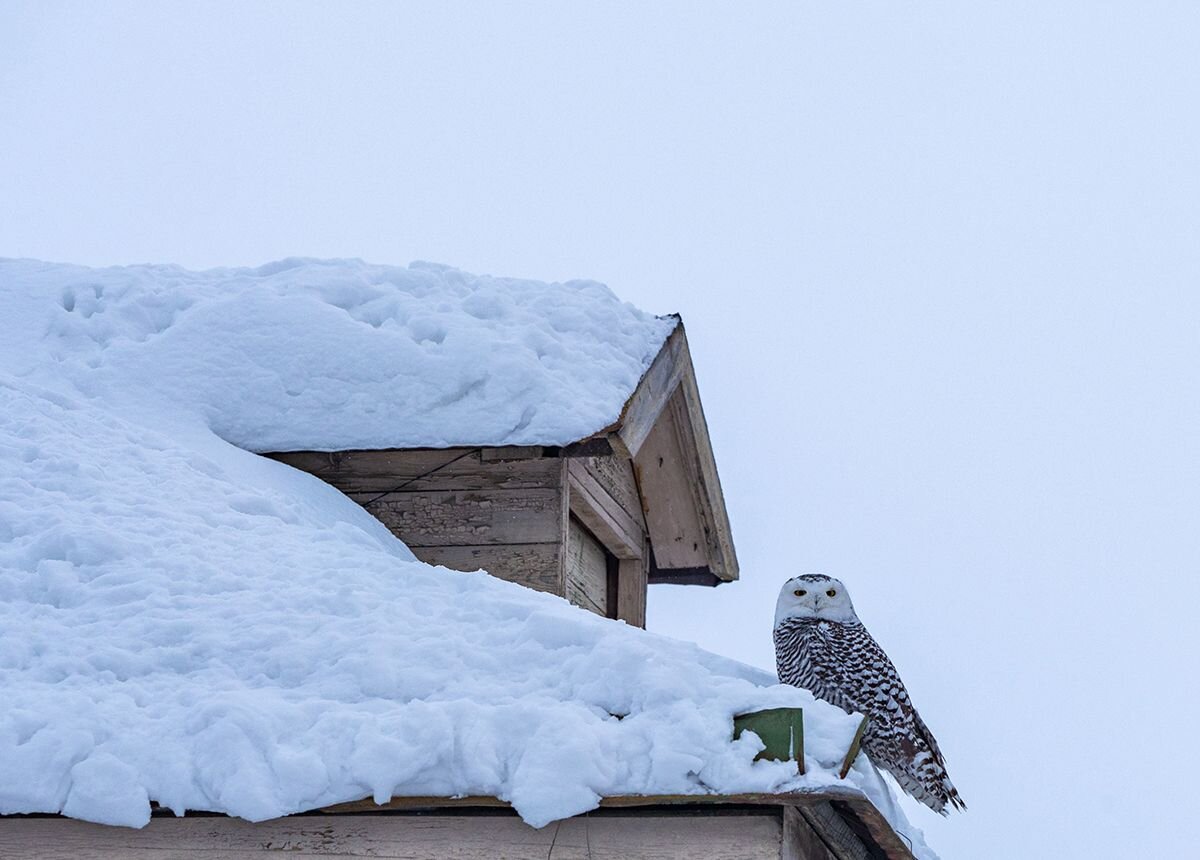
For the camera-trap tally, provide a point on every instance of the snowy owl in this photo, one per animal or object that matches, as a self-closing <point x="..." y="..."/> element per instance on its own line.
<point x="821" y="645"/>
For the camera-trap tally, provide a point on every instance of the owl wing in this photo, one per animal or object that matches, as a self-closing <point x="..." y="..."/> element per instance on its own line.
<point x="897" y="736"/>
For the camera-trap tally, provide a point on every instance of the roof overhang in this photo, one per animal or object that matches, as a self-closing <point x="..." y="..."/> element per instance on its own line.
<point x="662" y="429"/>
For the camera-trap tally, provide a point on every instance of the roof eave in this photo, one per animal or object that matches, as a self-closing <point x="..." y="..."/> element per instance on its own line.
<point x="664" y="419"/>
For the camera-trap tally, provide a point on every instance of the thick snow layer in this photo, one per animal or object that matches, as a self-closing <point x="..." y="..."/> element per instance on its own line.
<point x="185" y="622"/>
<point x="337" y="354"/>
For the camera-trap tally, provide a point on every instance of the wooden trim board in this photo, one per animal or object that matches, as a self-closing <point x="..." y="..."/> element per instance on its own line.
<point x="807" y="826"/>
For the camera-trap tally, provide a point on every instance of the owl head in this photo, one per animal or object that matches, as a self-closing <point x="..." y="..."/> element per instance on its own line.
<point x="812" y="595"/>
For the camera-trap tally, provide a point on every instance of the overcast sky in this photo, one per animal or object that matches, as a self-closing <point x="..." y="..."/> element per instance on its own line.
<point x="939" y="265"/>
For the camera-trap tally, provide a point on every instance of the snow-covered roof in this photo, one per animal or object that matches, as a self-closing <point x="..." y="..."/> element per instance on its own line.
<point x="340" y="354"/>
<point x="185" y="622"/>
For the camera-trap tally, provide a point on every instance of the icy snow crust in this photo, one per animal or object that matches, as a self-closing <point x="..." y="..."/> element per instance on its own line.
<point x="186" y="622"/>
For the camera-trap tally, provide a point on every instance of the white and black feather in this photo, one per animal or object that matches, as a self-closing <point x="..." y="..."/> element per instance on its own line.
<point x="825" y="649"/>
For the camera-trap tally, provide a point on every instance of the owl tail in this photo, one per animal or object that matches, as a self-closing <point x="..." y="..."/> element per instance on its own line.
<point x="926" y="780"/>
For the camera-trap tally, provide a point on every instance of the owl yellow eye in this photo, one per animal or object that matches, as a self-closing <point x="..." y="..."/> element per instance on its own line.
<point x="832" y="592"/>
<point x="799" y="592"/>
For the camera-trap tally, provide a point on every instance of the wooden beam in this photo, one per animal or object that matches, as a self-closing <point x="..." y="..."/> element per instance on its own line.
<point x="842" y="842"/>
<point x="511" y="452"/>
<point x="631" y="591"/>
<point x="369" y="473"/>
<point x="856" y="812"/>
<point x="599" y="511"/>
<point x="615" y="475"/>
<point x="843" y="819"/>
<point x="650" y="397"/>
<point x="670" y="836"/>
<point x="800" y="840"/>
<point x="872" y="828"/>
<point x="683" y="576"/>
<point x="701" y="464"/>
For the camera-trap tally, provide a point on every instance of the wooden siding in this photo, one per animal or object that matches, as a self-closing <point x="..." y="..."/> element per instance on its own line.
<point x="616" y="476"/>
<point x="536" y="565"/>
<point x="502" y="510"/>
<point x="649" y="477"/>
<point x="673" y="502"/>
<point x="586" y="570"/>
<point x="505" y="510"/>
<point x="604" y="496"/>
<point x="470" y="517"/>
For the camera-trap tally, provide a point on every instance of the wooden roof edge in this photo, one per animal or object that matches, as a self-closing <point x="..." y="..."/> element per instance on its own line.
<point x="831" y="808"/>
<point x="839" y="813"/>
<point x="669" y="385"/>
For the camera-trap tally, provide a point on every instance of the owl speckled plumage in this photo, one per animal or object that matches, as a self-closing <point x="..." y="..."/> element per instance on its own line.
<point x="821" y="645"/>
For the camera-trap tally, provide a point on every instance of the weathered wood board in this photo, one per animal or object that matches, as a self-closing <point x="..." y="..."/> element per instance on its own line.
<point x="852" y="817"/>
<point x="621" y="532"/>
<point x="500" y="510"/>
<point x="586" y="570"/>
<point x="535" y="565"/>
<point x="672" y="501"/>
<point x="631" y="590"/>
<point x="800" y="841"/>
<point x="616" y="476"/>
<point x="470" y="517"/>
<point x="424" y="469"/>
<point x="671" y="836"/>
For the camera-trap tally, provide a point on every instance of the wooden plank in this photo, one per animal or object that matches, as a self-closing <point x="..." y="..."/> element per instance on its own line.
<point x="651" y="395"/>
<point x="623" y="535"/>
<point x="433" y="837"/>
<point x="669" y="837"/>
<point x="615" y="475"/>
<point x="872" y="828"/>
<point x="373" y="472"/>
<point x="842" y="842"/>
<point x="685" y="509"/>
<point x="220" y="838"/>
<point x="470" y="517"/>
<point x="536" y="565"/>
<point x="800" y="841"/>
<point x="671" y="502"/>
<point x="631" y="590"/>
<point x="586" y="570"/>
<point x="512" y="452"/>
<point x="696" y="446"/>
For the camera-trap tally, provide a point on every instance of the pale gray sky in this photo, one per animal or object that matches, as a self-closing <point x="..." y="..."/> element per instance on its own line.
<point x="939" y="264"/>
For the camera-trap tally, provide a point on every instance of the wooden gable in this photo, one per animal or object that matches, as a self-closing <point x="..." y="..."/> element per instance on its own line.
<point x="595" y="521"/>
